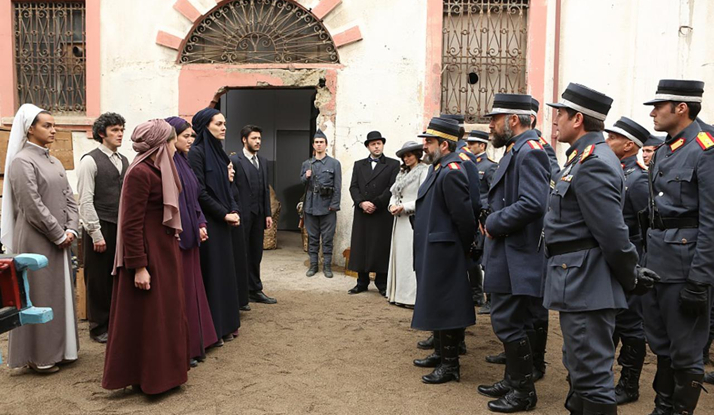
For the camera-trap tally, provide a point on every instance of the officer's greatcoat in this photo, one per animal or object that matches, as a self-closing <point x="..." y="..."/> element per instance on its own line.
<point x="444" y="228"/>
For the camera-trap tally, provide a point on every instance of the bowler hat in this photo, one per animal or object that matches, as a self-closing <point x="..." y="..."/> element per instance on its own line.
<point x="678" y="90"/>
<point x="445" y="128"/>
<point x="374" y="136"/>
<point x="409" y="146"/>
<point x="631" y="130"/>
<point x="585" y="100"/>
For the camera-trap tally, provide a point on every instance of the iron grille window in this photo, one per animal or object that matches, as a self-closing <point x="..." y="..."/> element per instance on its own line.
<point x="484" y="44"/>
<point x="260" y="31"/>
<point x="50" y="64"/>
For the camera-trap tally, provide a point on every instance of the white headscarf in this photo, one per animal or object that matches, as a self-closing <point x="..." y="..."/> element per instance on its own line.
<point x="18" y="136"/>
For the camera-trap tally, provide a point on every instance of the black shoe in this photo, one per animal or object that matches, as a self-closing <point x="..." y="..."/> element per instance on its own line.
<point x="632" y="358"/>
<point x="496" y="359"/>
<point x="383" y="292"/>
<point x="327" y="270"/>
<point x="433" y="360"/>
<point x="497" y="390"/>
<point x="478" y="300"/>
<point x="519" y="375"/>
<point x="486" y="309"/>
<point x="442" y="374"/>
<point x="357" y="289"/>
<point x="228" y="338"/>
<point x="709" y="377"/>
<point x="100" y="338"/>
<point x="449" y="369"/>
<point x="219" y="343"/>
<point x="193" y="362"/>
<point x="429" y="344"/>
<point x="312" y="270"/>
<point x="260" y="297"/>
<point x="516" y="400"/>
<point x="592" y="408"/>
<point x="245" y="307"/>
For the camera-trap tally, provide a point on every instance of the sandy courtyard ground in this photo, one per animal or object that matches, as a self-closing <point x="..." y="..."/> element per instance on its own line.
<point x="318" y="351"/>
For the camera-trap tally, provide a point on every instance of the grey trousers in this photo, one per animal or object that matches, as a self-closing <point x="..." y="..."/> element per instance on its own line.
<point x="510" y="316"/>
<point x="670" y="332"/>
<point x="589" y="353"/>
<point x="320" y="227"/>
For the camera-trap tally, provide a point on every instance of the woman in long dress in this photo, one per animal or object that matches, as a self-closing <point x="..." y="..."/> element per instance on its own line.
<point x="210" y="164"/>
<point x="148" y="345"/>
<point x="401" y="278"/>
<point x="39" y="215"/>
<point x="201" y="331"/>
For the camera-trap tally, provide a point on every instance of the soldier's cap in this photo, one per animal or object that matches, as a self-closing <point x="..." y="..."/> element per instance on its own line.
<point x="408" y="147"/>
<point x="519" y="104"/>
<point x="374" y="136"/>
<point x="445" y="128"/>
<point x="585" y="100"/>
<point x="478" y="136"/>
<point x="535" y="106"/>
<point x="630" y="130"/>
<point x="654" y="141"/>
<point x="459" y="118"/>
<point x="678" y="90"/>
<point x="320" y="134"/>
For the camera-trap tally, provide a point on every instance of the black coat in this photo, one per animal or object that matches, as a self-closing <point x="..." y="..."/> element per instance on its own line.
<point x="372" y="233"/>
<point x="246" y="190"/>
<point x="444" y="227"/>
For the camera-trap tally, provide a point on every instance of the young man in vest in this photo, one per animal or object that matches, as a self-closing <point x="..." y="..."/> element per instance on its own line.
<point x="101" y="174"/>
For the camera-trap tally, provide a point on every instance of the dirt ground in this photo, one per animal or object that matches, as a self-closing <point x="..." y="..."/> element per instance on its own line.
<point x="317" y="351"/>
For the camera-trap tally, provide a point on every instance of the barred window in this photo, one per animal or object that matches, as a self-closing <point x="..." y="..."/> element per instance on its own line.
<point x="50" y="64"/>
<point x="484" y="46"/>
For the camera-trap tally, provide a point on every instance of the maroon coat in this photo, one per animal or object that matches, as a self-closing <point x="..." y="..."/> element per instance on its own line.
<point x="148" y="331"/>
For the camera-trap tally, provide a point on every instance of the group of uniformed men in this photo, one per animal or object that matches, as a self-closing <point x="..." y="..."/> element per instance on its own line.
<point x="621" y="249"/>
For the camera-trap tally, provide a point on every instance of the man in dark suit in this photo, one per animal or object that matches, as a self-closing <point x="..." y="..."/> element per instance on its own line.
<point x="254" y="203"/>
<point x="372" y="226"/>
<point x="444" y="228"/>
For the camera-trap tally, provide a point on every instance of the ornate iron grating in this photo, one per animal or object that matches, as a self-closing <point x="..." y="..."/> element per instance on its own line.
<point x="50" y="62"/>
<point x="260" y="31"/>
<point x="484" y="44"/>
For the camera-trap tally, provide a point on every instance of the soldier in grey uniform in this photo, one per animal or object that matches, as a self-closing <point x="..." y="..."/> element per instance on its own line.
<point x="322" y="176"/>
<point x="649" y="148"/>
<point x="680" y="246"/>
<point x="549" y="150"/>
<point x="625" y="138"/>
<point x="591" y="261"/>
<point x="513" y="258"/>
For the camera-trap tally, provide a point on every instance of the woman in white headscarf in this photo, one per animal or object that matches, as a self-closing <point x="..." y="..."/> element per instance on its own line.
<point x="39" y="215"/>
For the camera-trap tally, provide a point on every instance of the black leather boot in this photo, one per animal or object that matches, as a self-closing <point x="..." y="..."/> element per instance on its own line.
<point x="462" y="342"/>
<point x="573" y="402"/>
<point x="705" y="354"/>
<point x="498" y="389"/>
<point x="632" y="357"/>
<point x="539" y="341"/>
<point x="434" y="359"/>
<point x="327" y="269"/>
<point x="687" y="387"/>
<point x="486" y="309"/>
<point x="519" y="365"/>
<point x="663" y="385"/>
<point x="426" y="344"/>
<point x="496" y="359"/>
<point x="709" y="377"/>
<point x="449" y="368"/>
<point x="312" y="270"/>
<point x="593" y="408"/>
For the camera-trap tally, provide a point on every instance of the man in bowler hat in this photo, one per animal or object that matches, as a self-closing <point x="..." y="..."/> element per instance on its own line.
<point x="372" y="225"/>
<point x="679" y="245"/>
<point x="444" y="228"/>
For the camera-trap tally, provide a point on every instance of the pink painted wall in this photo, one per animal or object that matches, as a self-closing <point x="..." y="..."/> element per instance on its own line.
<point x="432" y="83"/>
<point x="7" y="67"/>
<point x="535" y="55"/>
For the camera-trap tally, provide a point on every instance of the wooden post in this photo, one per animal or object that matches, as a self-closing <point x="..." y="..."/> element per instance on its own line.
<point x="81" y="295"/>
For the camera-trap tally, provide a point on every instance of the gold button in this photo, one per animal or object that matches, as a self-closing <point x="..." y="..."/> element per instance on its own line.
<point x="564" y="266"/>
<point x="684" y="240"/>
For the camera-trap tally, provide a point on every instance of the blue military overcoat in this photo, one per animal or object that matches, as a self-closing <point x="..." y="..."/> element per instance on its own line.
<point x="513" y="258"/>
<point x="444" y="227"/>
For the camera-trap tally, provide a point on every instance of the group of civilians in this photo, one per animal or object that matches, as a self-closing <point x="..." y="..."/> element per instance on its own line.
<point x="172" y="242"/>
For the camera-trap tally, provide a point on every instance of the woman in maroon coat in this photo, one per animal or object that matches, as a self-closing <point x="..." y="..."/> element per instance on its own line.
<point x="148" y="345"/>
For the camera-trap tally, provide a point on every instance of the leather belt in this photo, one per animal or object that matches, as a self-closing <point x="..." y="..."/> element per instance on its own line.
<point x="559" y="248"/>
<point x="675" y="223"/>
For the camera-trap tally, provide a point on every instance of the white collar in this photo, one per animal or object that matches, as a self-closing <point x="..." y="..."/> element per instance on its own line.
<point x="104" y="149"/>
<point x="248" y="154"/>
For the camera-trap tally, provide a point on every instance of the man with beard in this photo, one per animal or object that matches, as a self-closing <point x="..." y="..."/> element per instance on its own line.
<point x="444" y="228"/>
<point x="679" y="245"/>
<point x="513" y="258"/>
<point x="591" y="261"/>
<point x="372" y="225"/>
<point x="625" y="139"/>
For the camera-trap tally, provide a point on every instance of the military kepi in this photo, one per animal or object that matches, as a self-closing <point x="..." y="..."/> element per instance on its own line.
<point x="678" y="90"/>
<point x="585" y="100"/>
<point x="654" y="141"/>
<point x="630" y="130"/>
<point x="445" y="128"/>
<point x="519" y="104"/>
<point x="535" y="106"/>
<point x="477" y="136"/>
<point x="459" y="118"/>
<point x="320" y="134"/>
<point x="374" y="136"/>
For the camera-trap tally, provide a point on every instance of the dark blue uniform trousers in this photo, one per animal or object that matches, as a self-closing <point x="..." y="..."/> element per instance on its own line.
<point x="670" y="332"/>
<point x="317" y="227"/>
<point x="588" y="354"/>
<point x="509" y="316"/>
<point x="537" y="313"/>
<point x="629" y="322"/>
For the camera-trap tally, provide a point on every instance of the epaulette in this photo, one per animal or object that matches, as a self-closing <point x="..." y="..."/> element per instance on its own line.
<point x="454" y="166"/>
<point x="542" y="141"/>
<point x="675" y="145"/>
<point x="464" y="157"/>
<point x="478" y="159"/>
<point x="705" y="140"/>
<point x="467" y="149"/>
<point x="535" y="145"/>
<point x="642" y="165"/>
<point x="572" y="155"/>
<point x="587" y="152"/>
